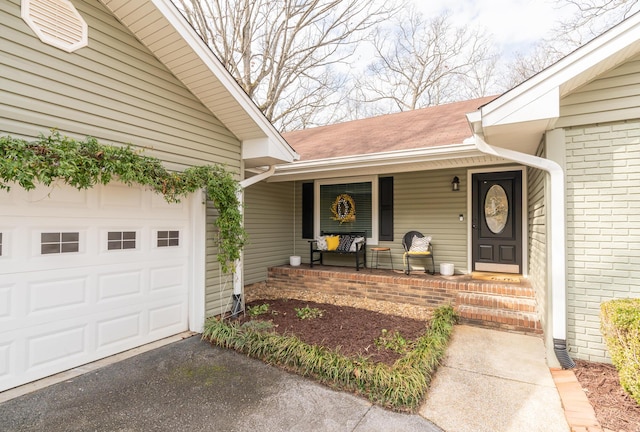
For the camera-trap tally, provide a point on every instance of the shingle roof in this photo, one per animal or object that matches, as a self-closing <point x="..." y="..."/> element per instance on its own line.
<point x="427" y="127"/>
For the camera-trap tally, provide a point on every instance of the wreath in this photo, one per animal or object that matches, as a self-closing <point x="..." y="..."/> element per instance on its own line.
<point x="344" y="209"/>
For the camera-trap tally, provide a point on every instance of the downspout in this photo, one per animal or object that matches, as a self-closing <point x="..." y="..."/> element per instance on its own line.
<point x="237" y="305"/>
<point x="556" y="234"/>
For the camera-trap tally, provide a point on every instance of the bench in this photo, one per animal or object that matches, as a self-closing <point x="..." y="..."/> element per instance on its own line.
<point x="349" y="243"/>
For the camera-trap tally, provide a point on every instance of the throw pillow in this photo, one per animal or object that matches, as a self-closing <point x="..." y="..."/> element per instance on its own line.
<point x="345" y="243"/>
<point x="420" y="244"/>
<point x="333" y="242"/>
<point x="356" y="244"/>
<point x="321" y="242"/>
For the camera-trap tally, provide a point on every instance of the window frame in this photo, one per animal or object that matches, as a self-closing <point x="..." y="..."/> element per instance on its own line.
<point x="373" y="179"/>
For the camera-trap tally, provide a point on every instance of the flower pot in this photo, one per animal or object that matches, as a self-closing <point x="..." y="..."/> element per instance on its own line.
<point x="446" y="269"/>
<point x="294" y="261"/>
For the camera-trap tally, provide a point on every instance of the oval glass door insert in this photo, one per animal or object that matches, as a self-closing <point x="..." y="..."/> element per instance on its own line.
<point x="496" y="208"/>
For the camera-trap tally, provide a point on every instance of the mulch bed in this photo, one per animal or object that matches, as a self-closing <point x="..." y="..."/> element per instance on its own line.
<point x="351" y="331"/>
<point x="615" y="410"/>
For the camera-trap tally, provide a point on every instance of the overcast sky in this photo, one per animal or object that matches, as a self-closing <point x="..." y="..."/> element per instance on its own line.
<point x="515" y="24"/>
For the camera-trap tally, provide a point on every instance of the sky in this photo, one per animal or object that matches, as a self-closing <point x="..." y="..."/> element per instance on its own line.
<point x="515" y="24"/>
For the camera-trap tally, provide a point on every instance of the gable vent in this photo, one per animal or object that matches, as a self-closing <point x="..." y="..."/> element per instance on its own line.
<point x="56" y="22"/>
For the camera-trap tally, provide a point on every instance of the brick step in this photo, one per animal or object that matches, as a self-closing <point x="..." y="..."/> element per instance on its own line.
<point x="502" y="289"/>
<point x="522" y="304"/>
<point x="526" y="322"/>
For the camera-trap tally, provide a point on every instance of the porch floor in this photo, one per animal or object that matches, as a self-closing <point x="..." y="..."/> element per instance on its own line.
<point x="501" y="301"/>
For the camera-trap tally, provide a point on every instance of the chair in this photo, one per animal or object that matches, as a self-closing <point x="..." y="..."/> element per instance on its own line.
<point x="407" y="241"/>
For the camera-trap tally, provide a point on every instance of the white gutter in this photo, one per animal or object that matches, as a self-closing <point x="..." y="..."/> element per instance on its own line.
<point x="556" y="230"/>
<point x="237" y="275"/>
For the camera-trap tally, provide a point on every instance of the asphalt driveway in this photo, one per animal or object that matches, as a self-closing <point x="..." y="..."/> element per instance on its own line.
<point x="191" y="386"/>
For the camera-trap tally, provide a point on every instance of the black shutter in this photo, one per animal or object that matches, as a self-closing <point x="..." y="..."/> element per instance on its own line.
<point x="307" y="210"/>
<point x="385" y="201"/>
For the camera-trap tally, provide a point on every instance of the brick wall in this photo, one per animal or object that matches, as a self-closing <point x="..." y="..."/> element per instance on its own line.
<point x="603" y="227"/>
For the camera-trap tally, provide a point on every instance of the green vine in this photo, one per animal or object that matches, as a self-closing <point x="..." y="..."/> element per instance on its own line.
<point x="83" y="164"/>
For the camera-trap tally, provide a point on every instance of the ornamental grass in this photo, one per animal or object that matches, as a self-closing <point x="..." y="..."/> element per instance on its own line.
<point x="400" y="387"/>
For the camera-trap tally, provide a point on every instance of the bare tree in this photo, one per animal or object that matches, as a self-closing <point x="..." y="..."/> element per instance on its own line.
<point x="587" y="19"/>
<point x="421" y="62"/>
<point x="286" y="53"/>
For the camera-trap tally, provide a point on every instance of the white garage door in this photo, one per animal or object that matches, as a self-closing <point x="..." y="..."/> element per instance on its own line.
<point x="87" y="274"/>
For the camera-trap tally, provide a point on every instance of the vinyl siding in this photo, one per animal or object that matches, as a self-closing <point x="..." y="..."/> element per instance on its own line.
<point x="613" y="96"/>
<point x="269" y="221"/>
<point x="423" y="202"/>
<point x="116" y="91"/>
<point x="603" y="235"/>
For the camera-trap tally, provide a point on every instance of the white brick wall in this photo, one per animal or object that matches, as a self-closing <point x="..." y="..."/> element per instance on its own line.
<point x="603" y="228"/>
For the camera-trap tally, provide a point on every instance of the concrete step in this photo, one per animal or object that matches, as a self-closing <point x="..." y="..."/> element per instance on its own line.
<point x="504" y="319"/>
<point x="522" y="304"/>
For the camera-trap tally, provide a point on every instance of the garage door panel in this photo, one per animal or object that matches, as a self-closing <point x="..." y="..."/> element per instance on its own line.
<point x="114" y="286"/>
<point x="62" y="310"/>
<point x="49" y="296"/>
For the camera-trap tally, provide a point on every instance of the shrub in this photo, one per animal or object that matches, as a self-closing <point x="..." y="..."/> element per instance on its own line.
<point x="401" y="387"/>
<point x="620" y="325"/>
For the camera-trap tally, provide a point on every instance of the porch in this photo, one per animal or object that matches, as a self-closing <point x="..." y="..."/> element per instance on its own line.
<point x="500" y="301"/>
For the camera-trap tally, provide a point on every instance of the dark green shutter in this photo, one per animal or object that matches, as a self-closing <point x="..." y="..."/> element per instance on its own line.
<point x="385" y="202"/>
<point x="307" y="210"/>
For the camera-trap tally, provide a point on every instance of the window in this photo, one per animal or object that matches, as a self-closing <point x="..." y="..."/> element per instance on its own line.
<point x="0" y="244"/>
<point x="59" y="242"/>
<point x="345" y="205"/>
<point x="121" y="240"/>
<point x="168" y="238"/>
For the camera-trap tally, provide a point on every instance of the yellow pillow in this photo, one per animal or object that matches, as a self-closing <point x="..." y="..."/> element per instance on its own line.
<point x="333" y="242"/>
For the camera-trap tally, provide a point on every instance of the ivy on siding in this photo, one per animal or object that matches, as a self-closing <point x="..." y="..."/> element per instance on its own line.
<point x="83" y="164"/>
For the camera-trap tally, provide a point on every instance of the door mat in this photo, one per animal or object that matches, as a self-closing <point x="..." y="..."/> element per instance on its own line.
<point x="497" y="277"/>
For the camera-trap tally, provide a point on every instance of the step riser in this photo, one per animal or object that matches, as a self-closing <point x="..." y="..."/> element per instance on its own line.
<point x="497" y="302"/>
<point x="526" y="322"/>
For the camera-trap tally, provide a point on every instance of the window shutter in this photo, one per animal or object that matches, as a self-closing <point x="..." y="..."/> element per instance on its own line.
<point x="307" y="210"/>
<point x="385" y="201"/>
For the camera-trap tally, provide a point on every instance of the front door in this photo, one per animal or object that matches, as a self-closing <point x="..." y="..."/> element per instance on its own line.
<point x="497" y="222"/>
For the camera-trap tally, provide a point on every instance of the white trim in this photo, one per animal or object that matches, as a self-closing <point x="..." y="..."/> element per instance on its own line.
<point x="373" y="240"/>
<point x="198" y="202"/>
<point x="523" y="213"/>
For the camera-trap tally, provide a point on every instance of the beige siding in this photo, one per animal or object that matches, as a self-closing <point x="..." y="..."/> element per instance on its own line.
<point x="269" y="220"/>
<point x="603" y="236"/>
<point x="613" y="96"/>
<point x="113" y="89"/>
<point x="423" y="202"/>
<point x="116" y="91"/>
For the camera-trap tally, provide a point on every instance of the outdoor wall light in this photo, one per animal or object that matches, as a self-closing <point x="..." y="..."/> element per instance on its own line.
<point x="455" y="184"/>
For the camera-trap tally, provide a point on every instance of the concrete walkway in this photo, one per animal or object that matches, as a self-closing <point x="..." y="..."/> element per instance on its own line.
<point x="494" y="381"/>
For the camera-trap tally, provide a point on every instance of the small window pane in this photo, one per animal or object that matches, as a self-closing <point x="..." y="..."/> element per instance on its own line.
<point x="69" y="247"/>
<point x="174" y="242"/>
<point x="50" y="248"/>
<point x="163" y="242"/>
<point x="114" y="235"/>
<point x="114" y="245"/>
<point x="129" y="244"/>
<point x="129" y="235"/>
<point x="0" y="244"/>
<point x="174" y="234"/>
<point x="50" y="237"/>
<point x="163" y="234"/>
<point x="117" y="240"/>
<point x="168" y="238"/>
<point x="70" y="237"/>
